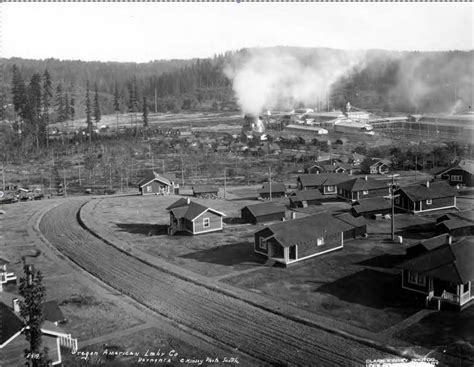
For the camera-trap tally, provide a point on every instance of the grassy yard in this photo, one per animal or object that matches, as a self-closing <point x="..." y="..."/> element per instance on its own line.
<point x="446" y="331"/>
<point x="358" y="285"/>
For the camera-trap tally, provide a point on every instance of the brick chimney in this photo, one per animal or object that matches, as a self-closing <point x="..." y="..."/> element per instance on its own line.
<point x="16" y="305"/>
<point x="188" y="201"/>
<point x="427" y="183"/>
<point x="366" y="177"/>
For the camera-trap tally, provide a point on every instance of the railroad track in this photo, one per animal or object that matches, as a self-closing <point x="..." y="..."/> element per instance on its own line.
<point x="266" y="336"/>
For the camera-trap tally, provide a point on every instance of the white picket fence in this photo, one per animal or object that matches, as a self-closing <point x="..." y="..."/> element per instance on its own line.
<point x="68" y="342"/>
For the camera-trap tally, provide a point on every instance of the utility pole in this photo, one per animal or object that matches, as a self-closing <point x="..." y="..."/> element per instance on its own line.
<point x="392" y="198"/>
<point x="156" y="103"/>
<point x="225" y="181"/>
<point x="182" y="171"/>
<point x="163" y="165"/>
<point x="3" y="177"/>
<point x="270" y="181"/>
<point x="64" y="175"/>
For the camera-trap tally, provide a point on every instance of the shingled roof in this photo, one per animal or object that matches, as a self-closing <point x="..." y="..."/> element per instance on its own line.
<point x="52" y="312"/>
<point x="275" y="187"/>
<point x="204" y="189"/>
<point x="323" y="179"/>
<point x="435" y="190"/>
<point x="361" y="184"/>
<point x="258" y="210"/>
<point x="306" y="229"/>
<point x="152" y="176"/>
<point x="10" y="324"/>
<point x="191" y="211"/>
<point x="464" y="164"/>
<point x="371" y="204"/>
<point x="452" y="263"/>
<point x="305" y="195"/>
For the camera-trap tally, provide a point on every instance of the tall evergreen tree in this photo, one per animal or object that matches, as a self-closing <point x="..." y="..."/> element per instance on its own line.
<point x="97" y="114"/>
<point x="31" y="311"/>
<point x="47" y="95"/>
<point x="59" y="103"/>
<point x="88" y="112"/>
<point x="67" y="107"/>
<point x="145" y="112"/>
<point x="19" y="93"/>
<point x="116" y="99"/>
<point x="72" y="107"/>
<point x="35" y="107"/>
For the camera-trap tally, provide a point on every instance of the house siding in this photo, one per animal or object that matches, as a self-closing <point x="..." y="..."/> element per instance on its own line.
<point x="466" y="177"/>
<point x="437" y="203"/>
<point x="215" y="223"/>
<point x="299" y="204"/>
<point x="311" y="248"/>
<point x="264" y="233"/>
<point x="274" y="195"/>
<point x="415" y="287"/>
<point x="155" y="188"/>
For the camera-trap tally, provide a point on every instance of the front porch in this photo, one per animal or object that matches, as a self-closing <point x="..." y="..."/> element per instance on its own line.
<point x="458" y="295"/>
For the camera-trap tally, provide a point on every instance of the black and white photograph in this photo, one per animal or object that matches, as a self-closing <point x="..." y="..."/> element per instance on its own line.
<point x="236" y="183"/>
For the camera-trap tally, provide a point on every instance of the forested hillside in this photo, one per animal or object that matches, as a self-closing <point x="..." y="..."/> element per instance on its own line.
<point x="383" y="81"/>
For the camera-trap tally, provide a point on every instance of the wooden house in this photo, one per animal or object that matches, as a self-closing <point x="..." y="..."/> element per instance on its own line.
<point x="193" y="218"/>
<point x="362" y="188"/>
<point x="379" y="166"/>
<point x="458" y="174"/>
<point x="205" y="191"/>
<point x="369" y="208"/>
<point x="324" y="182"/>
<point x="443" y="272"/>
<point x="425" y="197"/>
<point x="299" y="239"/>
<point x="305" y="198"/>
<point x="6" y="277"/>
<point x="13" y="342"/>
<point x="358" y="224"/>
<point x="156" y="184"/>
<point x="273" y="190"/>
<point x="263" y="212"/>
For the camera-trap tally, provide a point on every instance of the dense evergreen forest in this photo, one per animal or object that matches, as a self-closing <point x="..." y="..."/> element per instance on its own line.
<point x="384" y="81"/>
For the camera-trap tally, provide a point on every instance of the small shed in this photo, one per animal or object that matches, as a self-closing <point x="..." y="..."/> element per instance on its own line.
<point x="305" y="198"/>
<point x="358" y="226"/>
<point x="273" y="190"/>
<point x="369" y="208"/>
<point x="263" y="212"/>
<point x="205" y="191"/>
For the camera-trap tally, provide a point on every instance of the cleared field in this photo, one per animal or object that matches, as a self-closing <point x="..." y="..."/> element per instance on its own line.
<point x="262" y="334"/>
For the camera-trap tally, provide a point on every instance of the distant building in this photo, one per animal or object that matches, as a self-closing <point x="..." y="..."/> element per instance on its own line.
<point x="458" y="174"/>
<point x="456" y="224"/>
<point x="263" y="212"/>
<point x="305" y="198"/>
<point x="378" y="166"/>
<point x="306" y="129"/>
<point x="156" y="184"/>
<point x="205" y="191"/>
<point x="299" y="239"/>
<point x="371" y="207"/>
<point x="425" y="197"/>
<point x="188" y="216"/>
<point x="273" y="190"/>
<point x="362" y="188"/>
<point x="324" y="182"/>
<point x="441" y="270"/>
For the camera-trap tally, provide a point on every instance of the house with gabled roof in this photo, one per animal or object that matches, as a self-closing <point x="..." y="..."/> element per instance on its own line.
<point x="442" y="271"/>
<point x="302" y="238"/>
<point x="425" y="197"/>
<point x="362" y="188"/>
<point x="158" y="184"/>
<point x="326" y="183"/>
<point x="459" y="173"/>
<point x="305" y="198"/>
<point x="273" y="190"/>
<point x="193" y="218"/>
<point x="262" y="212"/>
<point x="13" y="341"/>
<point x="378" y="166"/>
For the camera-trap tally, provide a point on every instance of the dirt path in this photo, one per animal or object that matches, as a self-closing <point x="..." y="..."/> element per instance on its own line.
<point x="257" y="332"/>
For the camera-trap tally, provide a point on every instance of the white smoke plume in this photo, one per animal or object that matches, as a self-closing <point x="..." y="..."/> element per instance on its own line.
<point x="284" y="77"/>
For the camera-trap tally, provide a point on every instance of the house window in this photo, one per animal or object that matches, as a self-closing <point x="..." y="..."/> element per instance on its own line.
<point x="416" y="278"/>
<point x="206" y="222"/>
<point x="397" y="200"/>
<point x="429" y="202"/>
<point x="456" y="178"/>
<point x="320" y="241"/>
<point x="263" y="243"/>
<point x="365" y="192"/>
<point x="148" y="189"/>
<point x="330" y="188"/>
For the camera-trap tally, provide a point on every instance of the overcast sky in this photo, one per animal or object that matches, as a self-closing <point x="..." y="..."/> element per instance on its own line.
<point x="142" y="32"/>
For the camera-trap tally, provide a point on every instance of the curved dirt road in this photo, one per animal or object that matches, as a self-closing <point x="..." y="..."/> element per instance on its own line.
<point x="259" y="333"/>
